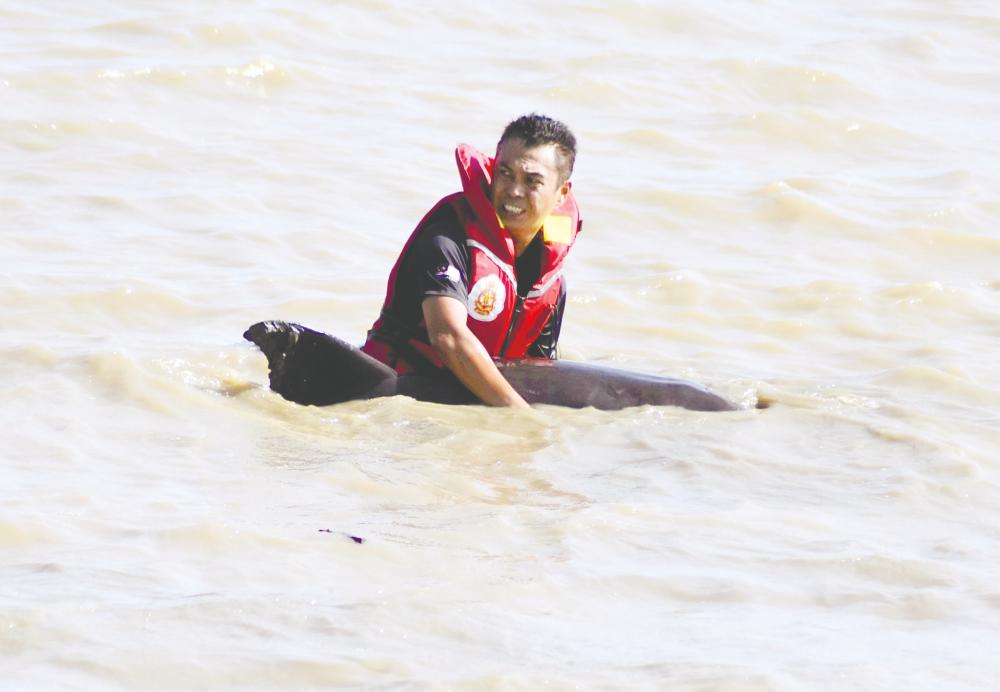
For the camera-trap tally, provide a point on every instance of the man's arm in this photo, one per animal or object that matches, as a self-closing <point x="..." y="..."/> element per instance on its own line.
<point x="464" y="354"/>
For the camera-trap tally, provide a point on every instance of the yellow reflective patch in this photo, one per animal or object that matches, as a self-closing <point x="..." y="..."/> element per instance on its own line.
<point x="557" y="229"/>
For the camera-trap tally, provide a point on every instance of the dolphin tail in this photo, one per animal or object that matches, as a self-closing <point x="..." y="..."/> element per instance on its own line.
<point x="309" y="367"/>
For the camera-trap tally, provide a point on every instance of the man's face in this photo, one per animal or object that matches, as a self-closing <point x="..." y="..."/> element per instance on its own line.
<point x="526" y="186"/>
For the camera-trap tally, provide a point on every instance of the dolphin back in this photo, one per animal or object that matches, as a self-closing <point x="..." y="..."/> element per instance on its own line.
<point x="310" y="367"/>
<point x="580" y="385"/>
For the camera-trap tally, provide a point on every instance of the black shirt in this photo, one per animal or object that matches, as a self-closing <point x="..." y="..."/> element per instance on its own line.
<point x="439" y="263"/>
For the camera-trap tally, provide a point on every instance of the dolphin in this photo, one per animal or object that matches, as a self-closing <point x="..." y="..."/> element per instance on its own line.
<point x="313" y="368"/>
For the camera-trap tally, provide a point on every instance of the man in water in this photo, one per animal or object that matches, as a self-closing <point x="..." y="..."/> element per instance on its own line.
<point x="481" y="276"/>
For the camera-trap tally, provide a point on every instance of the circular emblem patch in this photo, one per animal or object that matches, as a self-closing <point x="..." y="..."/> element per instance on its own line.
<point x="486" y="299"/>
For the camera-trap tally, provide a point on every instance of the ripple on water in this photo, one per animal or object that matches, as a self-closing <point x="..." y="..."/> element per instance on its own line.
<point x="785" y="203"/>
<point x="260" y="76"/>
<point x="792" y="84"/>
<point x="208" y="537"/>
<point x="946" y="241"/>
<point x="937" y="382"/>
<point x="822" y="132"/>
<point x="22" y="534"/>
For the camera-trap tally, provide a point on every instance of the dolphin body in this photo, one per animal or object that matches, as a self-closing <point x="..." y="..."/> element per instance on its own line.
<point x="310" y="367"/>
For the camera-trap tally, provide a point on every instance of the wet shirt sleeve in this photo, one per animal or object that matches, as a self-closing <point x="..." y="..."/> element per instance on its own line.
<point x="441" y="267"/>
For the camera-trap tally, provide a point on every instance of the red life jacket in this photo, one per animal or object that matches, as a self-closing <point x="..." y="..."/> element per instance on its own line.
<point x="506" y="324"/>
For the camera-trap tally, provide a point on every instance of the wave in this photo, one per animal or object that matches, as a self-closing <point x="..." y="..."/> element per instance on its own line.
<point x="824" y="132"/>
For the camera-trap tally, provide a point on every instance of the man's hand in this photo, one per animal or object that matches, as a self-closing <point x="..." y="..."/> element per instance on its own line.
<point x="464" y="354"/>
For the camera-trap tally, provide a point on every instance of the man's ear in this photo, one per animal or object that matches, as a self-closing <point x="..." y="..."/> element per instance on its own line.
<point x="565" y="190"/>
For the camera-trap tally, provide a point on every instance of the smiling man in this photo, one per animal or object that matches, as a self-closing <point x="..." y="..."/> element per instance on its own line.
<point x="481" y="276"/>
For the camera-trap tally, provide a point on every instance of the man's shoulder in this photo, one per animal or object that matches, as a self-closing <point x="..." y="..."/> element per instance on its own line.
<point x="443" y="222"/>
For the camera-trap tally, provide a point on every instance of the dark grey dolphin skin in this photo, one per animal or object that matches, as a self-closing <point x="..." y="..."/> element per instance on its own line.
<point x="310" y="367"/>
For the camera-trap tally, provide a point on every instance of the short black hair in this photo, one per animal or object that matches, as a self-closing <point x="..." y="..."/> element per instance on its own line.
<point x="536" y="130"/>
